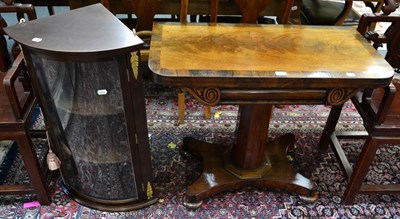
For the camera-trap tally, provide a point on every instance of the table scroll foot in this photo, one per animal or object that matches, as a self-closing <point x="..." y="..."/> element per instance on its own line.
<point x="191" y="205"/>
<point x="216" y="178"/>
<point x="309" y="199"/>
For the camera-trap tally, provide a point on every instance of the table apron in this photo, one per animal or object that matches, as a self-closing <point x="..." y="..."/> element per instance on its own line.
<point x="328" y="96"/>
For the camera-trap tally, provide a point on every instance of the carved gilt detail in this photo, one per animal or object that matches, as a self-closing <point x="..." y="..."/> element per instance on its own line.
<point x="206" y="96"/>
<point x="338" y="96"/>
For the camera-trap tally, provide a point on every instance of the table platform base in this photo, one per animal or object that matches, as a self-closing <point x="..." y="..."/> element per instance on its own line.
<point x="218" y="177"/>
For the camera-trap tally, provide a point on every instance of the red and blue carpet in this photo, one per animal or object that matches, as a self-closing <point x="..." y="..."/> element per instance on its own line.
<point x="172" y="173"/>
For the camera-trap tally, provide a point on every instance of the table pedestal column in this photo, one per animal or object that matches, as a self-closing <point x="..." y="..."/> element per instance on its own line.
<point x="250" y="162"/>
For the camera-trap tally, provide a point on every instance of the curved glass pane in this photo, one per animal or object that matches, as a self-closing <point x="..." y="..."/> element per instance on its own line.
<point x="85" y="111"/>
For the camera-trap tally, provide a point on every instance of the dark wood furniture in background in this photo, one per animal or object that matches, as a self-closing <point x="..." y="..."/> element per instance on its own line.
<point x="380" y="111"/>
<point x="50" y="4"/>
<point x="17" y="105"/>
<point x="322" y="12"/>
<point x="86" y="77"/>
<point x="290" y="75"/>
<point x="16" y="109"/>
<point x="315" y="12"/>
<point x="145" y="10"/>
<point x="21" y="11"/>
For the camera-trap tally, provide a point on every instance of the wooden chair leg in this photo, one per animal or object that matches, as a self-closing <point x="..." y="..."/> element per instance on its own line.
<point x="181" y="107"/>
<point x="32" y="165"/>
<point x="50" y="9"/>
<point x="207" y="112"/>
<point x="361" y="169"/>
<point x="333" y="119"/>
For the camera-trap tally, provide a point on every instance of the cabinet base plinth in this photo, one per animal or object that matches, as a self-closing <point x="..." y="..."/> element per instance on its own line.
<point x="107" y="205"/>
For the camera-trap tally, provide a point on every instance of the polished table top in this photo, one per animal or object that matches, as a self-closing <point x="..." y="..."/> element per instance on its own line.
<point x="268" y="56"/>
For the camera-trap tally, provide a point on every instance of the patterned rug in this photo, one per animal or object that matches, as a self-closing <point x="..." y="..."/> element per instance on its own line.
<point x="173" y="173"/>
<point x="8" y="152"/>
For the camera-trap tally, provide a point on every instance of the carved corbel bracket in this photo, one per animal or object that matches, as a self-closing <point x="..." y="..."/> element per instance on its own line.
<point x="206" y="96"/>
<point x="338" y="96"/>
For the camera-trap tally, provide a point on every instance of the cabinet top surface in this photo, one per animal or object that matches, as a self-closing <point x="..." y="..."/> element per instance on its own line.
<point x="89" y="29"/>
<point x="263" y="51"/>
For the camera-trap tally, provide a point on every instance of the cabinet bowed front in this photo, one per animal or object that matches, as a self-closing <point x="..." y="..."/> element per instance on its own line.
<point x="91" y="95"/>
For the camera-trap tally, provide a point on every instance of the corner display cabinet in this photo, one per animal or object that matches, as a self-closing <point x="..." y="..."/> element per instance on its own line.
<point x="84" y="69"/>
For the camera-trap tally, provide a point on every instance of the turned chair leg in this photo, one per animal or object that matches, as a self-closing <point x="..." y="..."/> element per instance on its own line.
<point x="32" y="166"/>
<point x="181" y="107"/>
<point x="207" y="112"/>
<point x="361" y="169"/>
<point x="333" y="119"/>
